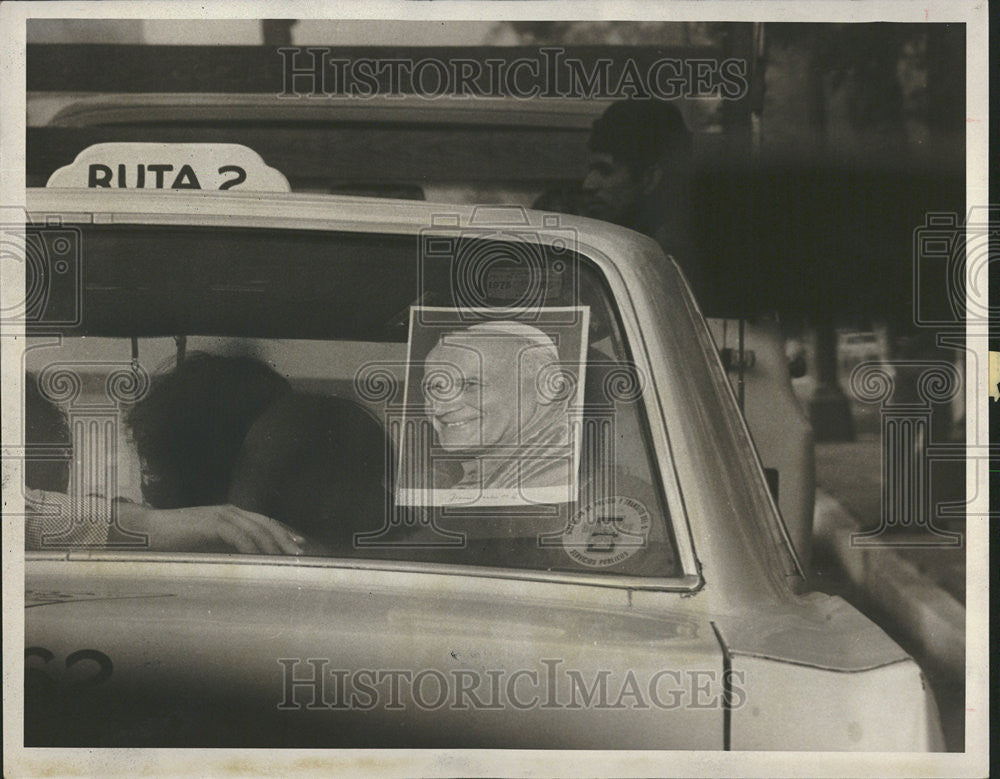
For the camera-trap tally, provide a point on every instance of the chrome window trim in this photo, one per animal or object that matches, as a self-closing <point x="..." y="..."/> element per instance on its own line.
<point x="684" y="584"/>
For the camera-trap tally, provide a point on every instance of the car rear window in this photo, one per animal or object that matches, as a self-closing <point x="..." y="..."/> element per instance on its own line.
<point x="460" y="397"/>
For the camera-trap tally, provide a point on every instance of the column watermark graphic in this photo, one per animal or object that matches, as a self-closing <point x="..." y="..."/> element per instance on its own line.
<point x="952" y="257"/>
<point x="72" y="411"/>
<point x="907" y="451"/>
<point x="95" y="426"/>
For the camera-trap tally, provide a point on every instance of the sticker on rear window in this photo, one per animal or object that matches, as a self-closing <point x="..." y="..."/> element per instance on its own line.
<point x="506" y="284"/>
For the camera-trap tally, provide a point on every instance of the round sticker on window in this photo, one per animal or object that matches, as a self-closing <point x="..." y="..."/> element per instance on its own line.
<point x="607" y="532"/>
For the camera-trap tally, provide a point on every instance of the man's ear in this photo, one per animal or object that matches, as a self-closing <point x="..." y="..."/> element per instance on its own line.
<point x="651" y="178"/>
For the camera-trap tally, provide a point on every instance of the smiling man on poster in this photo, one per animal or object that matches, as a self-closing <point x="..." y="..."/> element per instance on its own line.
<point x="496" y="398"/>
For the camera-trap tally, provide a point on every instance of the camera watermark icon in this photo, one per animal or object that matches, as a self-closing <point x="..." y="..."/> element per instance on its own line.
<point x="954" y="256"/>
<point x="497" y="265"/>
<point x="499" y="407"/>
<point x="48" y="256"/>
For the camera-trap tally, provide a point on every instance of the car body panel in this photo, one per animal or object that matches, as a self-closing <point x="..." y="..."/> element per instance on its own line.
<point x="233" y="634"/>
<point x="885" y="709"/>
<point x="225" y="629"/>
<point x="819" y="630"/>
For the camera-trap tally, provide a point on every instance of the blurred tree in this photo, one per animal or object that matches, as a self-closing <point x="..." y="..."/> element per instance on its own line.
<point x="702" y="114"/>
<point x="874" y="91"/>
<point x="871" y="92"/>
<point x="943" y="101"/>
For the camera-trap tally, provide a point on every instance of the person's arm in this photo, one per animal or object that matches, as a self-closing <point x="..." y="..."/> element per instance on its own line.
<point x="208" y="529"/>
<point x="53" y="523"/>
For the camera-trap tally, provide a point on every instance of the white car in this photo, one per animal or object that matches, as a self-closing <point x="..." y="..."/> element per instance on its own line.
<point x="660" y="605"/>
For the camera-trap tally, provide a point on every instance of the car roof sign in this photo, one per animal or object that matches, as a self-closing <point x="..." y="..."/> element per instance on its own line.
<point x="170" y="166"/>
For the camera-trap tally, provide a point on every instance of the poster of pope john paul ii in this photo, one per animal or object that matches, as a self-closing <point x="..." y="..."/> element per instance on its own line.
<point x="492" y="408"/>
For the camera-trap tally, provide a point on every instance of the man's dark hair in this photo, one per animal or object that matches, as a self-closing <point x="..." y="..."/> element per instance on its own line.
<point x="638" y="133"/>
<point x="189" y="429"/>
